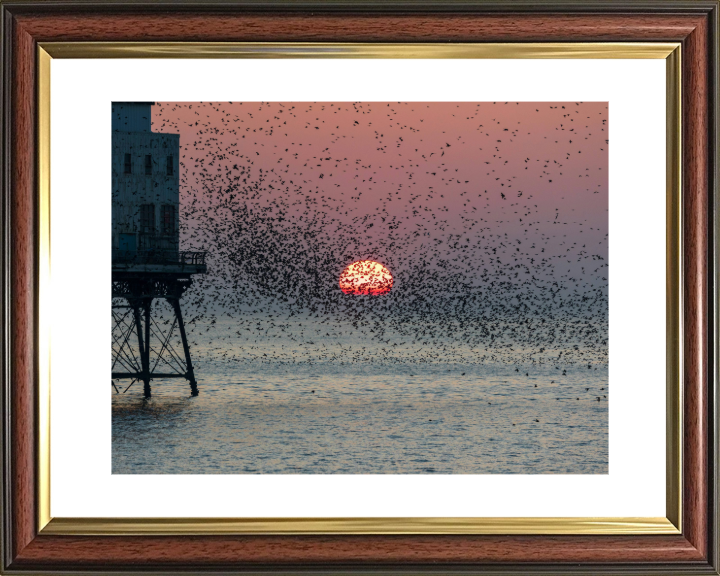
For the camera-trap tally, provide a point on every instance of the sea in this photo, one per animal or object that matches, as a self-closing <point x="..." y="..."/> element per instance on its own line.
<point x="372" y="412"/>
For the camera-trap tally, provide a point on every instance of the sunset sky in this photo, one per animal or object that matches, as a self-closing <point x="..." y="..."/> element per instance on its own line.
<point x="376" y="169"/>
<point x="483" y="207"/>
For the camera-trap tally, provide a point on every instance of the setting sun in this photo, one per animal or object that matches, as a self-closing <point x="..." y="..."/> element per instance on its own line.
<point x="366" y="277"/>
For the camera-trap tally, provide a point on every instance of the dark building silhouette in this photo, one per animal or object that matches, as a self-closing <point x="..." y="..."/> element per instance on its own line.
<point x="147" y="262"/>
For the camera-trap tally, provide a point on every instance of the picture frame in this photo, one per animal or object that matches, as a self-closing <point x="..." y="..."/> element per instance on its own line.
<point x="686" y="540"/>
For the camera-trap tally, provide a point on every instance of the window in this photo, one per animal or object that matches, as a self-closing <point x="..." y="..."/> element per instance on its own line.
<point x="167" y="216"/>
<point x="147" y="218"/>
<point x="128" y="164"/>
<point x="148" y="164"/>
<point x="169" y="171"/>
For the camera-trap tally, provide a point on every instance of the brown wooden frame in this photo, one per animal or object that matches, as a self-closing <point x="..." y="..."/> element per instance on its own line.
<point x="694" y="23"/>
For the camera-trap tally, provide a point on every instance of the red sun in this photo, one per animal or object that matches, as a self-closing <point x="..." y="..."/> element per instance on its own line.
<point x="366" y="277"/>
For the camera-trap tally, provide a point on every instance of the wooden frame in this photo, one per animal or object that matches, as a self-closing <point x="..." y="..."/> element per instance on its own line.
<point x="26" y="24"/>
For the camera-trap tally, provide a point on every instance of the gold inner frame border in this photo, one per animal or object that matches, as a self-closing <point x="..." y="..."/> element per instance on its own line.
<point x="671" y="524"/>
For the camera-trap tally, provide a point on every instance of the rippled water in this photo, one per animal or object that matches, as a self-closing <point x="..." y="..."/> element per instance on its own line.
<point x="367" y="419"/>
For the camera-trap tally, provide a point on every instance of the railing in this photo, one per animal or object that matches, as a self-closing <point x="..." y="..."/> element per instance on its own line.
<point x="158" y="257"/>
<point x="195" y="258"/>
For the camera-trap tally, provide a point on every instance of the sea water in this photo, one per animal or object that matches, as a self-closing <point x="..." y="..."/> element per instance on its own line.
<point x="367" y="413"/>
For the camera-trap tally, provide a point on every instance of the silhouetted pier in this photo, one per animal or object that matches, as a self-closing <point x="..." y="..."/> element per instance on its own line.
<point x="146" y="261"/>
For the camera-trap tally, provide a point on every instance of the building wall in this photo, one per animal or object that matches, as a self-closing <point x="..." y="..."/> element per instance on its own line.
<point x="131" y="116"/>
<point x="131" y="191"/>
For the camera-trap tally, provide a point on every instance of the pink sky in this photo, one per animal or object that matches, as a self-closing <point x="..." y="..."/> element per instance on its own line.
<point x="420" y="171"/>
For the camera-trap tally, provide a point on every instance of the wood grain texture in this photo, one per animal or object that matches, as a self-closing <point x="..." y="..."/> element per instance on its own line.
<point x="689" y="551"/>
<point x="358" y="28"/>
<point x="22" y="245"/>
<point x="219" y="552"/>
<point x="696" y="187"/>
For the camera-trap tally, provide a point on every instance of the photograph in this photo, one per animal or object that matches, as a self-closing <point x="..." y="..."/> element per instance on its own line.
<point x="360" y="287"/>
<point x="361" y="312"/>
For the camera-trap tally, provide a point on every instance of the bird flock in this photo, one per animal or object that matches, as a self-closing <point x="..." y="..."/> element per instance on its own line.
<point x="492" y="218"/>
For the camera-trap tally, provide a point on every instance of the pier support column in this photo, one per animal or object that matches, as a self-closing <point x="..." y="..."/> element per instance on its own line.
<point x="190" y="375"/>
<point x="138" y="322"/>
<point x="146" y="364"/>
<point x="143" y="344"/>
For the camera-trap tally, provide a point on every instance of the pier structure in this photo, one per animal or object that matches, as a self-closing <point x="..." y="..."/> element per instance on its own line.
<point x="147" y="263"/>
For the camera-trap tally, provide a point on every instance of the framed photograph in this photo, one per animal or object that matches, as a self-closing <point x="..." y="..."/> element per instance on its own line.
<point x="314" y="287"/>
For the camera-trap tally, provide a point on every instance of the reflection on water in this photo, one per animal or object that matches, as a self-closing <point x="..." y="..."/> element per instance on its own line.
<point x="442" y="418"/>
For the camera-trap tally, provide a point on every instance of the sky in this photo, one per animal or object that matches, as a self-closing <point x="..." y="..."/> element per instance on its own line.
<point x="478" y="209"/>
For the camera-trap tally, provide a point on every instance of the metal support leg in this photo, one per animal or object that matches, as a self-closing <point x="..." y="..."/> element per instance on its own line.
<point x="141" y="345"/>
<point x="139" y="295"/>
<point x="190" y="373"/>
<point x="146" y="360"/>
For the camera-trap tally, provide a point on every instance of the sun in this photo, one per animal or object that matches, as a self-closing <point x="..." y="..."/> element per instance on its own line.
<point x="366" y="277"/>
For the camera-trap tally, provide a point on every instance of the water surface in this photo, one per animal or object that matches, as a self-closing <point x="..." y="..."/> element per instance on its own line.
<point x="367" y="419"/>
